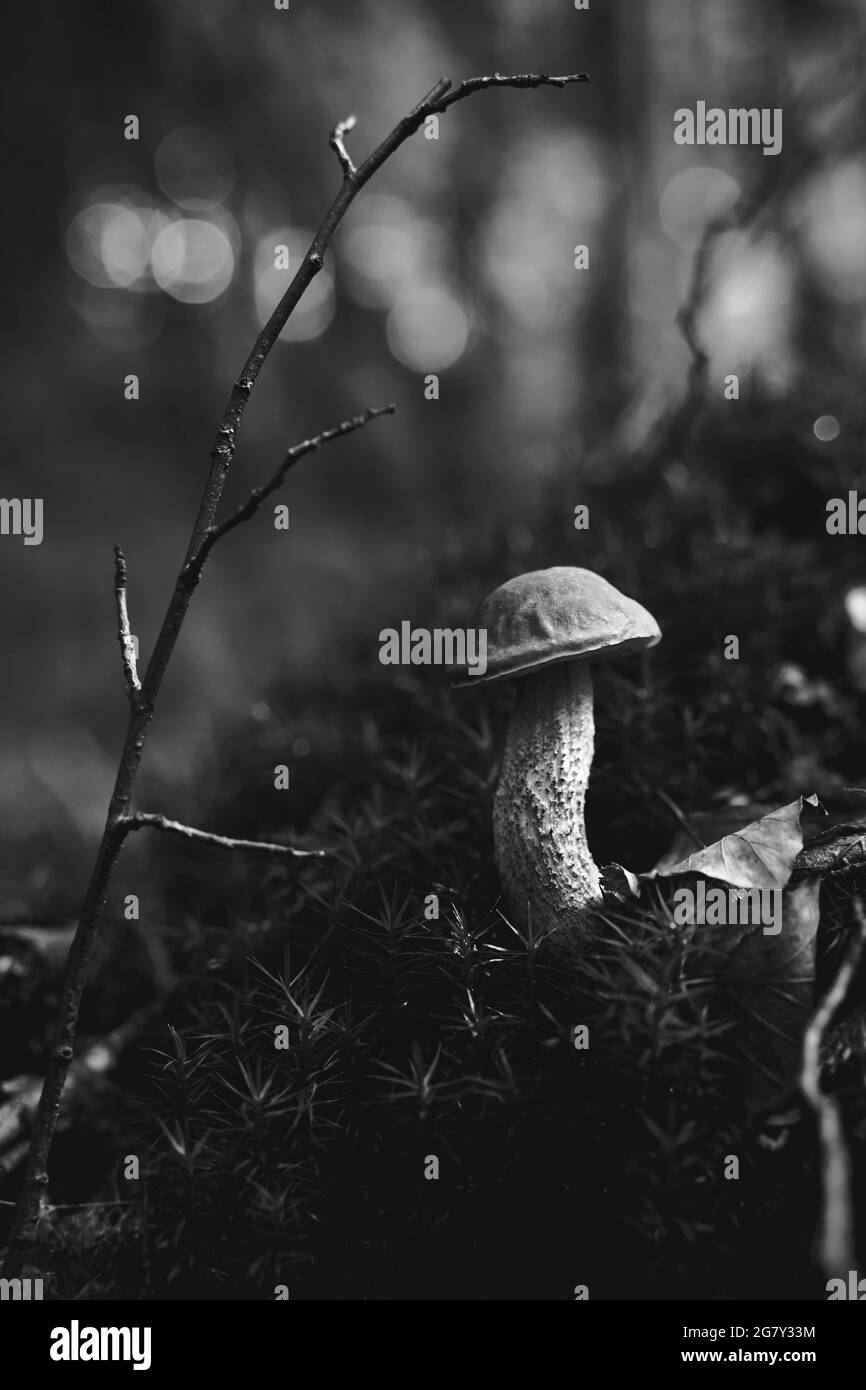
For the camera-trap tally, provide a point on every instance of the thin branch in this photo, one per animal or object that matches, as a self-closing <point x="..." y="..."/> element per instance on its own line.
<point x="142" y="820"/>
<point x="836" y="1251"/>
<point x="673" y="431"/>
<point x="337" y="143"/>
<point x="124" y="633"/>
<point x="676" y="427"/>
<point x="436" y="91"/>
<point x="30" y="1203"/>
<point x="480" y="84"/>
<point x="438" y="99"/>
<point x="298" y="451"/>
<point x="743" y="214"/>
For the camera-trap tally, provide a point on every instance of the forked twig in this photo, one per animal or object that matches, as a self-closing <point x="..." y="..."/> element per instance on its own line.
<point x="206" y="531"/>
<point x="298" y="451"/>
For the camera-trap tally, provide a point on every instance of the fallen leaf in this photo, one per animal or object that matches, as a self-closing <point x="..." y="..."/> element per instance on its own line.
<point x="760" y="855"/>
<point x="702" y="828"/>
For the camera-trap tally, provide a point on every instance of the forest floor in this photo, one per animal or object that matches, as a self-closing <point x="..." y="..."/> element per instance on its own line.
<point x="430" y="1130"/>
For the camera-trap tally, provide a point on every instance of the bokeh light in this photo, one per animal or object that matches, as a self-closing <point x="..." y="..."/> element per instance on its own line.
<point x="855" y="607"/>
<point x="388" y="249"/>
<point x="192" y="260"/>
<point x="691" y="199"/>
<point x="108" y="242"/>
<point x="125" y="246"/>
<point x="826" y="428"/>
<point x="317" y="305"/>
<point x="120" y="241"/>
<point x="119" y="320"/>
<point x="195" y="168"/>
<point x="747" y="323"/>
<point x="528" y="239"/>
<point x="834" y="215"/>
<point x="428" y="328"/>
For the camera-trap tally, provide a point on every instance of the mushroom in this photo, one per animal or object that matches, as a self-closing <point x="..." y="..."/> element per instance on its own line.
<point x="546" y="628"/>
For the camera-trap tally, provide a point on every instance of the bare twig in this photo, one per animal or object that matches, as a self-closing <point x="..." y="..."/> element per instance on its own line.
<point x="437" y="100"/>
<point x="117" y="825"/>
<point x="142" y="820"/>
<point x="441" y="97"/>
<point x="742" y="215"/>
<point x="674" y="430"/>
<point x="124" y="634"/>
<point x="836" y="1251"/>
<point x="258" y="494"/>
<point x="436" y="91"/>
<point x="337" y="143"/>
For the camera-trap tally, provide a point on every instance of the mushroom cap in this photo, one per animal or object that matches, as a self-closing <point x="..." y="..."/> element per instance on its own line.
<point x="558" y="614"/>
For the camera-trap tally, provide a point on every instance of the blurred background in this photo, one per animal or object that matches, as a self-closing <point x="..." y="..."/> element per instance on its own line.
<point x="156" y="258"/>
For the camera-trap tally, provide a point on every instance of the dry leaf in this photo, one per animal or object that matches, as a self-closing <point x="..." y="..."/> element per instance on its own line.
<point x="760" y="855"/>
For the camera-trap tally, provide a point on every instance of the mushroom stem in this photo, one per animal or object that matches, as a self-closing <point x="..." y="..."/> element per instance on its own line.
<point x="545" y="866"/>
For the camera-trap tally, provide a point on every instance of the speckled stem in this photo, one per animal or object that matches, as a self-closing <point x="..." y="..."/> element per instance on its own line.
<point x="545" y="866"/>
